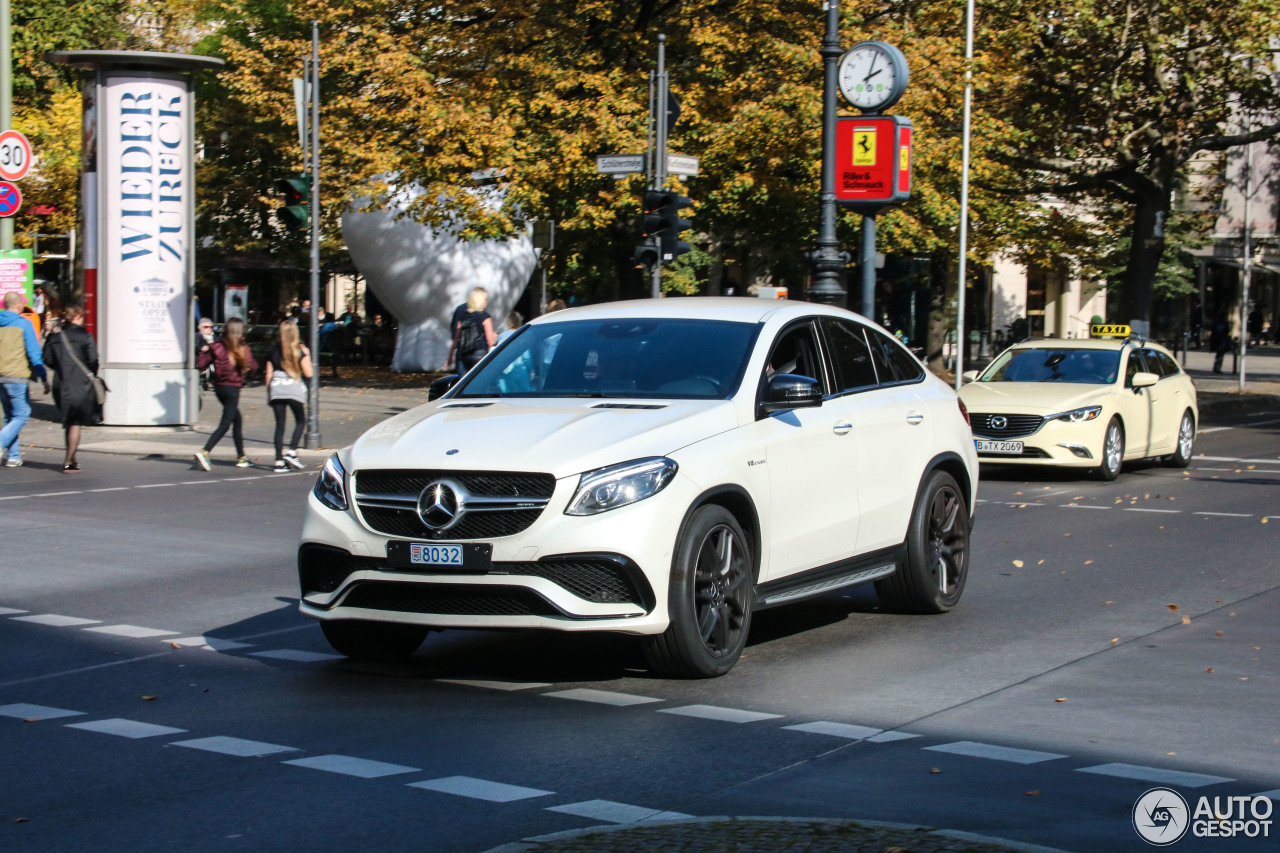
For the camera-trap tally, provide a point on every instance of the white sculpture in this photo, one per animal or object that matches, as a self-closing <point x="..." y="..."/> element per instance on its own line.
<point x="421" y="276"/>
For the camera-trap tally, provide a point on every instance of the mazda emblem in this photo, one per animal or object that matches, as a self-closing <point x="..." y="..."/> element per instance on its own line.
<point x="442" y="504"/>
<point x="999" y="422"/>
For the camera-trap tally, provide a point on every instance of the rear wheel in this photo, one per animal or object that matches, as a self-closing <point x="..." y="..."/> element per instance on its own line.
<point x="1112" y="451"/>
<point x="711" y="591"/>
<point x="1181" y="456"/>
<point x="383" y="641"/>
<point x="937" y="552"/>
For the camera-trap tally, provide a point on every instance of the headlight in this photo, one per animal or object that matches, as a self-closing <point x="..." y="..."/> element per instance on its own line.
<point x="618" y="485"/>
<point x="331" y="488"/>
<point x="1077" y="416"/>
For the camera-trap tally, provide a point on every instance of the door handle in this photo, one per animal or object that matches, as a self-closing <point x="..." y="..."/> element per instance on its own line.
<point x="842" y="428"/>
<point x="915" y="418"/>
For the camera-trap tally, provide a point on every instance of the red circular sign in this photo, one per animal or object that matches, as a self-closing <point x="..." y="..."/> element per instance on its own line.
<point x="15" y="156"/>
<point x="10" y="199"/>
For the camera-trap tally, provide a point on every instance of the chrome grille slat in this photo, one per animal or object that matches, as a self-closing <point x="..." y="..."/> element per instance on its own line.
<point x="499" y="503"/>
<point x="1019" y="426"/>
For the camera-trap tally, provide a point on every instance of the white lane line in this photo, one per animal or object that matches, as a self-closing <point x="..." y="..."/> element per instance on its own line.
<point x="131" y="631"/>
<point x="995" y="753"/>
<point x="1155" y="774"/>
<point x="24" y="711"/>
<point x="1012" y="503"/>
<point x="493" y="685"/>
<point x="126" y="728"/>
<point x="611" y="812"/>
<point x="1203" y="431"/>
<point x="296" y="655"/>
<point x="1082" y="506"/>
<point x="1144" y="509"/>
<point x="843" y="730"/>
<point x="9" y="611"/>
<point x="1225" y="514"/>
<point x="111" y="489"/>
<point x="1234" y="459"/>
<point x="234" y="746"/>
<point x="155" y="485"/>
<point x="727" y="715"/>
<point x="348" y="766"/>
<point x="57" y="621"/>
<point x="602" y="697"/>
<point x="890" y="737"/>
<point x="213" y="644"/>
<point x="57" y="494"/>
<point x="480" y="789"/>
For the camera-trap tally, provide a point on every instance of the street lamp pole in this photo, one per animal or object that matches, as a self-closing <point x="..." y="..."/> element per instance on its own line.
<point x="827" y="259"/>
<point x="961" y="335"/>
<point x="313" y="439"/>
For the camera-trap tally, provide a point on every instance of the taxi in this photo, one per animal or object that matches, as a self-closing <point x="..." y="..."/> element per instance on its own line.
<point x="1091" y="403"/>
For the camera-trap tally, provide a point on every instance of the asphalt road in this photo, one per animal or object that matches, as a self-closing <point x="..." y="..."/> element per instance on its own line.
<point x="159" y="691"/>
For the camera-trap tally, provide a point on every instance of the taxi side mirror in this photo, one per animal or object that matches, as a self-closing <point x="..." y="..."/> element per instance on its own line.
<point x="1144" y="380"/>
<point x="969" y="376"/>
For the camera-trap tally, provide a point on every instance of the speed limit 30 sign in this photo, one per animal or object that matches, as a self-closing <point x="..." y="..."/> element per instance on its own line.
<point x="15" y="155"/>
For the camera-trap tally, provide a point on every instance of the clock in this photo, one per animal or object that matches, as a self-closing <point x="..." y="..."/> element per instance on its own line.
<point x="872" y="75"/>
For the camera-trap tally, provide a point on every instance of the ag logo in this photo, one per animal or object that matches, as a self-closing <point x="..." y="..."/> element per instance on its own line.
<point x="1161" y="816"/>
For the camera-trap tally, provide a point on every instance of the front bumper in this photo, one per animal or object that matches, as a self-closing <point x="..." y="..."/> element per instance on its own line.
<point x="1056" y="443"/>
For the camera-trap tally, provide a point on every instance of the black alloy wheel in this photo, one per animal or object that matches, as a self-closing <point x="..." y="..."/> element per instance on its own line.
<point x="937" y="563"/>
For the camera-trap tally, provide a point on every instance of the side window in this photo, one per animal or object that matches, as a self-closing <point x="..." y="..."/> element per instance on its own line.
<point x="795" y="351"/>
<point x="893" y="362"/>
<point x="1135" y="365"/>
<point x="850" y="355"/>
<point x="1162" y="363"/>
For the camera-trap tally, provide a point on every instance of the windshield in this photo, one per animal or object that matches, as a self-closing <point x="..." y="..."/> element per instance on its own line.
<point x="645" y="358"/>
<point x="1083" y="366"/>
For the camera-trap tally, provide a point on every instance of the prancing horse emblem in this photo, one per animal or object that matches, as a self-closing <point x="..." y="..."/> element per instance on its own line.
<point x="441" y="504"/>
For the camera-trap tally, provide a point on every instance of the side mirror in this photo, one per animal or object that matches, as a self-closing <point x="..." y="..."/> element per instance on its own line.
<point x="969" y="376"/>
<point x="1144" y="380"/>
<point x="789" y="391"/>
<point x="441" y="385"/>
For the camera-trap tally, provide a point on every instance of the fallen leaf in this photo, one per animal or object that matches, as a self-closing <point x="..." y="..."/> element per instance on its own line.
<point x="1186" y="620"/>
<point x="935" y="770"/>
<point x="1147" y="496"/>
<point x="148" y="698"/>
<point x="1245" y="678"/>
<point x="1041" y="563"/>
<point x="175" y="645"/>
<point x="1115" y="640"/>
<point x="1208" y="669"/>
<point x="1034" y="792"/>
<point x="1088" y="562"/>
<point x="33" y="719"/>
<point x="1171" y="753"/>
<point x="1264" y="519"/>
<point x="1219" y="633"/>
<point x="1017" y="493"/>
<point x="1108" y="604"/>
<point x="1018" y="563"/>
<point x="1173" y="608"/>
<point x="1060" y="700"/>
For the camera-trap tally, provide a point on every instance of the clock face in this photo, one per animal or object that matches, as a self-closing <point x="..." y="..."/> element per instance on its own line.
<point x="871" y="76"/>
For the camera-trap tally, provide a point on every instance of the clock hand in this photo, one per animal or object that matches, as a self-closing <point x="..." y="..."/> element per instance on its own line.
<point x="872" y="74"/>
<point x="870" y="69"/>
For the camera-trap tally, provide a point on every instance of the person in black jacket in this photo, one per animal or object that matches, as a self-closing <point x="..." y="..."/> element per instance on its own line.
<point x="73" y="385"/>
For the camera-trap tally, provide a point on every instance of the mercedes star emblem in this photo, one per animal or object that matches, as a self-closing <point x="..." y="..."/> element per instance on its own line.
<point x="441" y="504"/>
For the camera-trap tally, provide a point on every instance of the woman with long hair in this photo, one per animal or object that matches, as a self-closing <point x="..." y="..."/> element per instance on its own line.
<point x="473" y="334"/>
<point x="287" y="365"/>
<point x="72" y="354"/>
<point x="232" y="361"/>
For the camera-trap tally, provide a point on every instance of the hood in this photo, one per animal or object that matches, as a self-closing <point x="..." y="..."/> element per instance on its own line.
<point x="561" y="437"/>
<point x="1039" y="398"/>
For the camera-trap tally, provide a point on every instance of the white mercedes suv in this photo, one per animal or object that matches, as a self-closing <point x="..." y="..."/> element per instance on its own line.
<point x="660" y="468"/>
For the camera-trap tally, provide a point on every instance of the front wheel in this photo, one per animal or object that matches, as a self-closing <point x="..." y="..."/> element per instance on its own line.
<point x="1181" y="456"/>
<point x="1112" y="451"/>
<point x="711" y="592"/>
<point x="937" y="562"/>
<point x="381" y="641"/>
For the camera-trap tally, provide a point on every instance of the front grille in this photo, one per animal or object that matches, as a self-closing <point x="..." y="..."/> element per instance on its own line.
<point x="387" y="500"/>
<point x="599" y="581"/>
<point x="1017" y="426"/>
<point x="450" y="599"/>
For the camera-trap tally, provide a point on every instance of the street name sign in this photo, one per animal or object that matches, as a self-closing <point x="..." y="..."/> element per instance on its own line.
<point x="619" y="164"/>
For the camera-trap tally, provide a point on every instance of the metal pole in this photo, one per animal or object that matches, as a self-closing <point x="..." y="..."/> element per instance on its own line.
<point x="313" y="419"/>
<point x="827" y="262"/>
<point x="660" y="152"/>
<point x="6" y="105"/>
<point x="964" y="194"/>
<point x="869" y="268"/>
<point x="1247" y="279"/>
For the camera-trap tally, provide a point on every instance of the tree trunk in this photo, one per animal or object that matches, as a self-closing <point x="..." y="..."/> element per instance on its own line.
<point x="1146" y="248"/>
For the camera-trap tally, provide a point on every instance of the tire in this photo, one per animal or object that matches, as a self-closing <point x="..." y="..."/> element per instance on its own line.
<point x="937" y="564"/>
<point x="1181" y="456"/>
<point x="381" y="641"/>
<point x="711" y="593"/>
<point x="1112" y="451"/>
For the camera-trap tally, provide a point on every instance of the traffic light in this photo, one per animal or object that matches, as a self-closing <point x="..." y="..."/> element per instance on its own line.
<point x="646" y="255"/>
<point x="296" y="193"/>
<point x="661" y="220"/>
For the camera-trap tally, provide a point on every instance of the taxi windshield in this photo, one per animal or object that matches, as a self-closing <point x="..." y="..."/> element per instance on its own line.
<point x="1081" y="366"/>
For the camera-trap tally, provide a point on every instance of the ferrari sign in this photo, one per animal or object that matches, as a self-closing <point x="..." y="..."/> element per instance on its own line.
<point x="873" y="161"/>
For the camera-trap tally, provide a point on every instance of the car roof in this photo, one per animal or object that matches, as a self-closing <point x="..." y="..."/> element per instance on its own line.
<point x="1086" y="343"/>
<point x="738" y="309"/>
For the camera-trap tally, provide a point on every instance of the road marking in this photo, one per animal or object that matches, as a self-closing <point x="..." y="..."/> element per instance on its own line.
<point x="234" y="746"/>
<point x="131" y="631"/>
<point x="126" y="728"/>
<point x="611" y="812"/>
<point x="156" y="485"/>
<point x="602" y="697"/>
<point x="843" y="730"/>
<point x="1155" y="774"/>
<point x="348" y="766"/>
<point x="1225" y="514"/>
<point x="295" y="655"/>
<point x="9" y="611"/>
<point x="56" y="621"/>
<point x="727" y="715"/>
<point x="890" y="737"/>
<point x="24" y="711"/>
<point x="79" y="670"/>
<point x="1144" y="509"/>
<point x="1234" y="459"/>
<point x="995" y="753"/>
<point x="1082" y="506"/>
<point x="494" y="685"/>
<point x="480" y="789"/>
<point x="213" y="644"/>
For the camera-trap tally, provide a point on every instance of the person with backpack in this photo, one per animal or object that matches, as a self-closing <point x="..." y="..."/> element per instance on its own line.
<point x="232" y="361"/>
<point x="473" y="333"/>
<point x="288" y="364"/>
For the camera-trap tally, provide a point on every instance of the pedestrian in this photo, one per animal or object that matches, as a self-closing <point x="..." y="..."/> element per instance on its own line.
<point x="20" y="360"/>
<point x="1219" y="341"/>
<point x="514" y="321"/>
<point x="1254" y="326"/>
<point x="205" y="329"/>
<point x="38" y="303"/>
<point x="232" y="361"/>
<point x="288" y="363"/>
<point x="34" y="319"/>
<point x="71" y="353"/>
<point x="473" y="333"/>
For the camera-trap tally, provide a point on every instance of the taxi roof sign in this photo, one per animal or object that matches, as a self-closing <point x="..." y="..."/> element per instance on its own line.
<point x="1103" y="330"/>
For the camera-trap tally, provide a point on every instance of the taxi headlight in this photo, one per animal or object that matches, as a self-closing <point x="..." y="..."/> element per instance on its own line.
<point x="618" y="485"/>
<point x="331" y="488"/>
<point x="1077" y="416"/>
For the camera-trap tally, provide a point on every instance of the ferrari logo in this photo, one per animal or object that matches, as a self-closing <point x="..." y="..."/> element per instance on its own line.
<point x="864" y="147"/>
